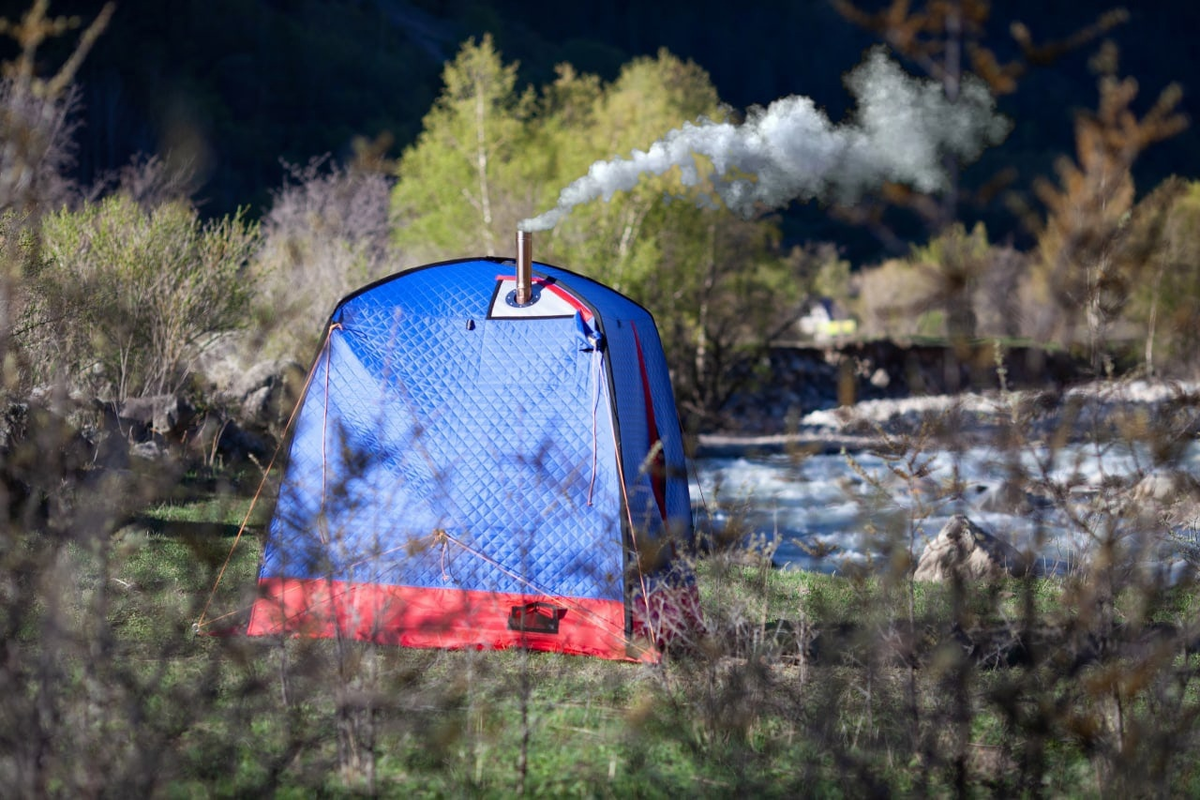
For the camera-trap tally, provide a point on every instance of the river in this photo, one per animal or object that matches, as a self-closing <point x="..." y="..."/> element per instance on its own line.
<point x="824" y="504"/>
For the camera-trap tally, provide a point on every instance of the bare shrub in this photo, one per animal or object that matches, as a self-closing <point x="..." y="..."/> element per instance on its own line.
<point x="148" y="180"/>
<point x="327" y="233"/>
<point x="36" y="148"/>
<point x="1082" y="667"/>
<point x="129" y="295"/>
<point x="895" y="300"/>
<point x="956" y="285"/>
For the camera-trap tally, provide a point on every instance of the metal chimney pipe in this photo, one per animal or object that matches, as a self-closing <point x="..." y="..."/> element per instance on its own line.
<point x="524" y="267"/>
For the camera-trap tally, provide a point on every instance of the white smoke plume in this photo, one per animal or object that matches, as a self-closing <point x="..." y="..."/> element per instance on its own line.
<point x="901" y="130"/>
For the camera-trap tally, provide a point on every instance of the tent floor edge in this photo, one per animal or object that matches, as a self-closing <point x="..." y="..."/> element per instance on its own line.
<point x="424" y="617"/>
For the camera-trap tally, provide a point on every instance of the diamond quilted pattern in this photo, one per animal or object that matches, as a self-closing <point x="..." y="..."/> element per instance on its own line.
<point x="437" y="419"/>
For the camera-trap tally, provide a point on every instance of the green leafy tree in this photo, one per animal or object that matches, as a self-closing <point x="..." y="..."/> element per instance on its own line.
<point x="1166" y="300"/>
<point x="913" y="295"/>
<point x="459" y="182"/>
<point x="718" y="284"/>
<point x="620" y="236"/>
<point x="829" y="273"/>
<point x="490" y="157"/>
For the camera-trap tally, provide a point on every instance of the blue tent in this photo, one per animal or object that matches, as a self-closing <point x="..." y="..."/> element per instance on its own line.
<point x="466" y="470"/>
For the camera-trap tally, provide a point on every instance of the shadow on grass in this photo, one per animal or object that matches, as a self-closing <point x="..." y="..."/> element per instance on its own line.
<point x="188" y="529"/>
<point x="208" y="483"/>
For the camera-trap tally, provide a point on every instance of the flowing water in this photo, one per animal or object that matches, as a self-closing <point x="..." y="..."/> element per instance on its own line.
<point x="824" y="512"/>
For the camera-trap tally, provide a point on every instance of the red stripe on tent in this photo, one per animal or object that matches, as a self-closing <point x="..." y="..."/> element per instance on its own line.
<point x="658" y="464"/>
<point x="553" y="286"/>
<point x="445" y="618"/>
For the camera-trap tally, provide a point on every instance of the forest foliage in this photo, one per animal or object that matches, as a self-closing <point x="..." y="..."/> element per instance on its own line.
<point x="233" y="87"/>
<point x="492" y="150"/>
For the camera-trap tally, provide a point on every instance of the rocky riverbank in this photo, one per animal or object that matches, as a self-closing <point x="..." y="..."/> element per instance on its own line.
<point x="797" y="381"/>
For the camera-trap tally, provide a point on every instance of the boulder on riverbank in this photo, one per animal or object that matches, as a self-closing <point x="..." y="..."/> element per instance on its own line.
<point x="964" y="550"/>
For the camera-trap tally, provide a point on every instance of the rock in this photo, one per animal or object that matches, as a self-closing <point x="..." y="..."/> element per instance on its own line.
<point x="256" y="406"/>
<point x="148" y="451"/>
<point x="266" y="394"/>
<point x="165" y="414"/>
<point x="111" y="445"/>
<point x="217" y="436"/>
<point x="1166" y="487"/>
<point x="14" y="423"/>
<point x="235" y="444"/>
<point x="962" y="546"/>
<point x="41" y="457"/>
<point x="1008" y="498"/>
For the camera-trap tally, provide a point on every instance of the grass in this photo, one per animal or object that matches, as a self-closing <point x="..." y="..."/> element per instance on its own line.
<point x="808" y="684"/>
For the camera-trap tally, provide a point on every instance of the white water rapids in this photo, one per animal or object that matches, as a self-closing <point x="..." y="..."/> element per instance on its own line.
<point x="828" y="510"/>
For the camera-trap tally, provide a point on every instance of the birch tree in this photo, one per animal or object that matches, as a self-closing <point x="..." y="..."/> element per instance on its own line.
<point x="457" y="183"/>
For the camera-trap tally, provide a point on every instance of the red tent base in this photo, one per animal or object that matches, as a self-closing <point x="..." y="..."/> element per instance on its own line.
<point x="446" y="618"/>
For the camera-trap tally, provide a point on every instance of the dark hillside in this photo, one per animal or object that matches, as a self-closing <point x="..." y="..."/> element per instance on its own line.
<point x="235" y="86"/>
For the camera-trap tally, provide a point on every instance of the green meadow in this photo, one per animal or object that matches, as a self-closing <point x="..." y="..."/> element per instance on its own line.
<point x="802" y="684"/>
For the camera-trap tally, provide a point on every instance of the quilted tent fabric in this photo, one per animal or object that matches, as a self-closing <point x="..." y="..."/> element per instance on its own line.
<point x="459" y="477"/>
